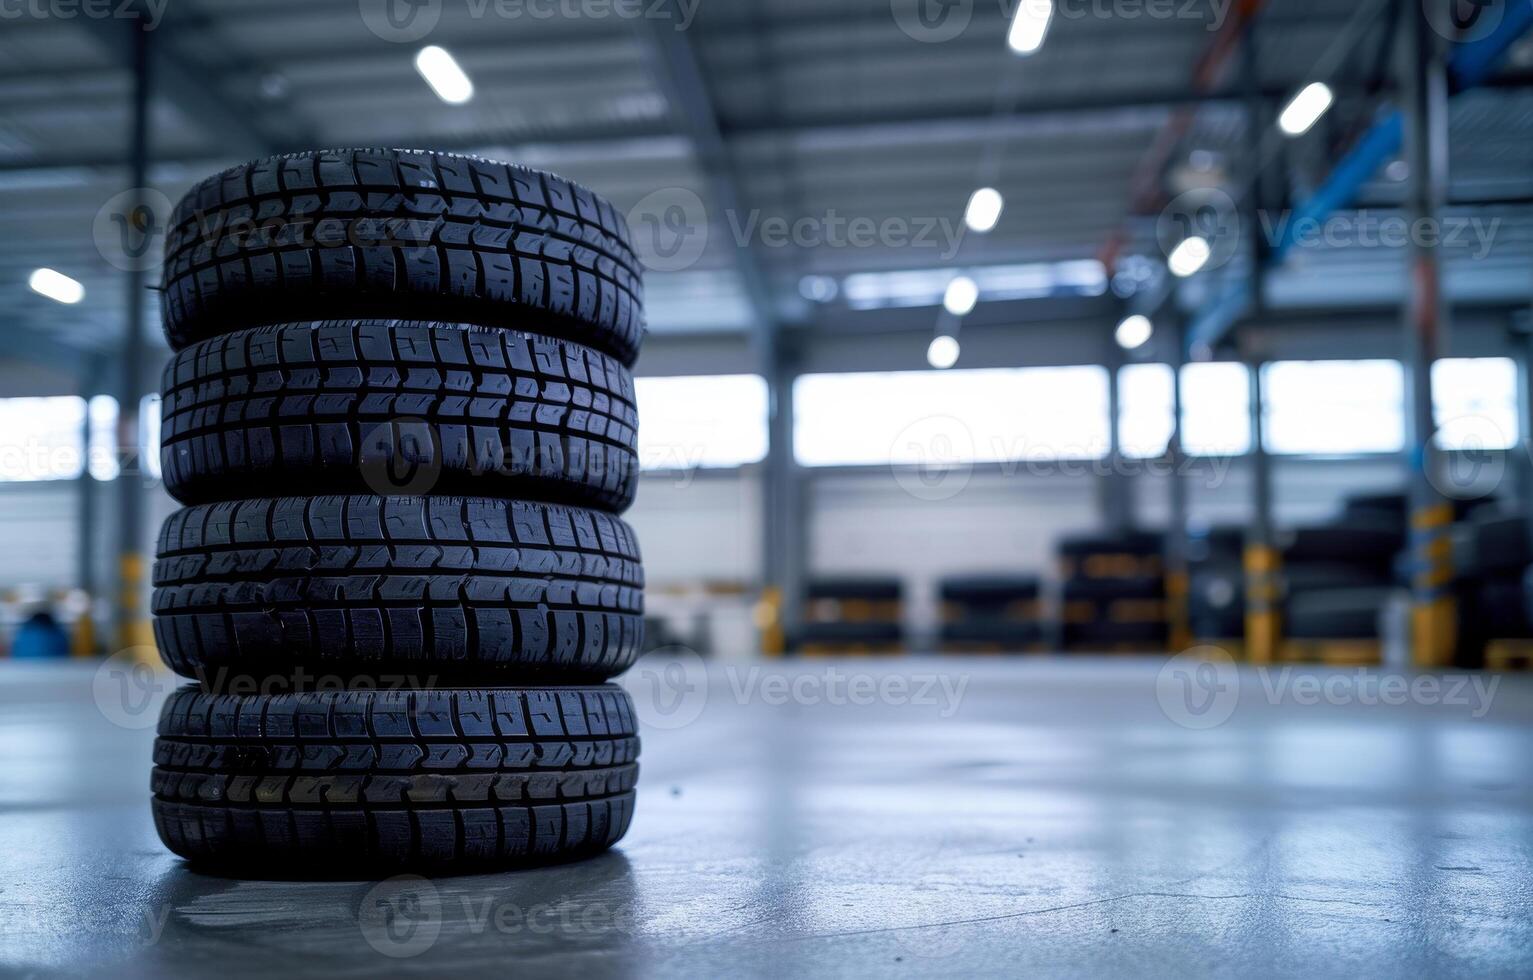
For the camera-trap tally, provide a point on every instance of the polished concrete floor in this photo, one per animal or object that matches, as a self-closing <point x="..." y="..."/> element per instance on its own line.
<point x="858" y="817"/>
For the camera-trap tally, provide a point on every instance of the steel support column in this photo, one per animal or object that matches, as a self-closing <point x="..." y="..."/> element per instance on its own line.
<point x="84" y="642"/>
<point x="1177" y="578"/>
<point x="131" y="622"/>
<point x="1425" y="82"/>
<point x="783" y="532"/>
<point x="1116" y="502"/>
<point x="1263" y="564"/>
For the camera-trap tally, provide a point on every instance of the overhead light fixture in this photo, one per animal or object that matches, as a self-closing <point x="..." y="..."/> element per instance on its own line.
<point x="442" y="72"/>
<point x="1305" y="109"/>
<point x="1188" y="257"/>
<point x="984" y="209"/>
<point x="1030" y="25"/>
<point x="56" y="286"/>
<point x="942" y="352"/>
<point x="960" y="297"/>
<point x="1134" y="331"/>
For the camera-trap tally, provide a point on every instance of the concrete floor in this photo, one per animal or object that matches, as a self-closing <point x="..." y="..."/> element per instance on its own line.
<point x="1058" y="819"/>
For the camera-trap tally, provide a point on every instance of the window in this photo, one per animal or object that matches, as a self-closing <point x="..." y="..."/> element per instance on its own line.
<point x="1144" y="409"/>
<point x="701" y="422"/>
<point x="1475" y="402"/>
<point x="43" y="438"/>
<point x="1216" y="414"/>
<point x="926" y="417"/>
<point x="1216" y="408"/>
<point x="102" y="452"/>
<point x="149" y="435"/>
<point x="1334" y="407"/>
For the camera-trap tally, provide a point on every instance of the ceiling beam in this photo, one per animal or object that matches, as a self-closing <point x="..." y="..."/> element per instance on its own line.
<point x="228" y="123"/>
<point x="680" y="79"/>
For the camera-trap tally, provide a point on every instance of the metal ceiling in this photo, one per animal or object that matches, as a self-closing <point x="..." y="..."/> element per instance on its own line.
<point x="826" y="110"/>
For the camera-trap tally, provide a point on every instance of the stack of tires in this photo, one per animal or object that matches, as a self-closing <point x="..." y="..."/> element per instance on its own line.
<point x="401" y="418"/>
<point x="1339" y="576"/>
<point x="1113" y="597"/>
<point x="990" y="614"/>
<point x="852" y="615"/>
<point x="1493" y="566"/>
<point x="1216" y="594"/>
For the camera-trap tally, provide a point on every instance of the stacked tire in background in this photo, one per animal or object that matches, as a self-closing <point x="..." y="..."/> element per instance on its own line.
<point x="399" y="579"/>
<point x="1114" y="594"/>
<point x="990" y="614"/>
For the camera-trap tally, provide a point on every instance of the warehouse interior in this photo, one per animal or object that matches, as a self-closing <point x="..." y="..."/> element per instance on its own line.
<point x="1029" y="345"/>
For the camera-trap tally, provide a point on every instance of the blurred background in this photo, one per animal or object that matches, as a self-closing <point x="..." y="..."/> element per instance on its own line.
<point x="974" y="325"/>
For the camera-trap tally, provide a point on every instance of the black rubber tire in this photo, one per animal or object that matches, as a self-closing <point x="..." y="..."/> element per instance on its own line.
<point x="400" y="233"/>
<point x="838" y="634"/>
<point x="443" y="780"/>
<point x="1358" y="543"/>
<point x="1337" y="614"/>
<point x="986" y="591"/>
<point x="1008" y="634"/>
<point x="453" y="588"/>
<point x="874" y="589"/>
<point x="1082" y="588"/>
<point x="395" y="406"/>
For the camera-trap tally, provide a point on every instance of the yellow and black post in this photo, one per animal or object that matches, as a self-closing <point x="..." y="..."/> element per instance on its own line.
<point x="132" y="620"/>
<point x="1434" y="624"/>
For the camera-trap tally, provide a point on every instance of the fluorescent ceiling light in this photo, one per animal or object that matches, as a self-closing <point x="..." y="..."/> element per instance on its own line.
<point x="984" y="209"/>
<point x="942" y="353"/>
<point x="1189" y="257"/>
<point x="56" y="286"/>
<point x="1030" y="25"/>
<point x="961" y="295"/>
<point x="1305" y="109"/>
<point x="442" y="73"/>
<point x="1134" y="331"/>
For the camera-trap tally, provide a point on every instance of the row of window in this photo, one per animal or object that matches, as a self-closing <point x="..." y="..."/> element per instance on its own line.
<point x="1335" y="408"/>
<point x="981" y="415"/>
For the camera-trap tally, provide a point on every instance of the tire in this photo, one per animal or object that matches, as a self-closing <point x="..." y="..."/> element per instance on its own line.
<point x="1008" y="634"/>
<point x="406" y="233"/>
<point x="441" y="779"/>
<point x="988" y="590"/>
<point x="843" y="589"/>
<point x="1358" y="543"/>
<point x="1108" y="589"/>
<point x="458" y="589"/>
<point x="1339" y="614"/>
<point x="389" y="406"/>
